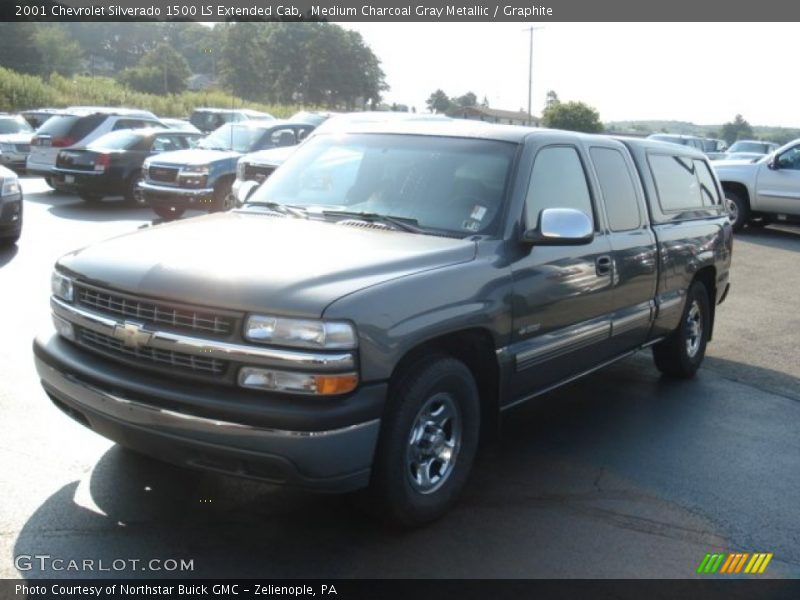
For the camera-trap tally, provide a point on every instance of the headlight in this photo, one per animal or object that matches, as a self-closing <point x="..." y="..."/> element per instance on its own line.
<point x="10" y="186"/>
<point x="240" y="167"/>
<point x="146" y="164"/>
<point x="297" y="383"/>
<point x="194" y="170"/>
<point x="61" y="287"/>
<point x="303" y="333"/>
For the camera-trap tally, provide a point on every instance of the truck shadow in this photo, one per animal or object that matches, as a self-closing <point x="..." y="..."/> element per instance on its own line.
<point x="615" y="457"/>
<point x="782" y="237"/>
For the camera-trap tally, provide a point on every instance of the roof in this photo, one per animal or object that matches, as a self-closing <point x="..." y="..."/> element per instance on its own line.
<point x="497" y="113"/>
<point x="651" y="144"/>
<point x="269" y="123"/>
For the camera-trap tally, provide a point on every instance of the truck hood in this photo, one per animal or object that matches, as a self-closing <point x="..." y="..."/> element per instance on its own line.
<point x="272" y="156"/>
<point x="197" y="156"/>
<point x="259" y="263"/>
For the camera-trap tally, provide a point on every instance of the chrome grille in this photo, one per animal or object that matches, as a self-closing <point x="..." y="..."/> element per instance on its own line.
<point x="153" y="356"/>
<point x="23" y="147"/>
<point x="181" y="318"/>
<point x="162" y="174"/>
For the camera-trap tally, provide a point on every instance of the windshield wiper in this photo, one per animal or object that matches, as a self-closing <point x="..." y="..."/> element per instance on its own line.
<point x="284" y="209"/>
<point x="402" y="223"/>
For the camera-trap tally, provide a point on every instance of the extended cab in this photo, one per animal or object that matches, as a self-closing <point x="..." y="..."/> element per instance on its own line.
<point x="383" y="298"/>
<point x="763" y="190"/>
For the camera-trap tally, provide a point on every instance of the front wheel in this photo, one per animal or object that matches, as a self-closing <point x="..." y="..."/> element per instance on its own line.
<point x="429" y="438"/>
<point x="223" y="197"/>
<point x="738" y="209"/>
<point x="682" y="352"/>
<point x="168" y="213"/>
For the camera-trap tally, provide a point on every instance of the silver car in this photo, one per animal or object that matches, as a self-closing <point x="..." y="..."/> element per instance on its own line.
<point x="15" y="141"/>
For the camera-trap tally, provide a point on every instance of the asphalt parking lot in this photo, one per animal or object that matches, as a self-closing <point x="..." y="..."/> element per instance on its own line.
<point x="623" y="474"/>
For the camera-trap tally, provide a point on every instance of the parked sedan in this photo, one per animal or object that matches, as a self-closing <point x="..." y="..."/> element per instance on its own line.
<point x="15" y="141"/>
<point x="112" y="164"/>
<point x="10" y="207"/>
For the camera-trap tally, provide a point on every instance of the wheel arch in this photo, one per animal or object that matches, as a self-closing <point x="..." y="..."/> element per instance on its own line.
<point x="475" y="348"/>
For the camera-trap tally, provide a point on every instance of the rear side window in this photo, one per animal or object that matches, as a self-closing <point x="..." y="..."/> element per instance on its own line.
<point x="619" y="192"/>
<point x="708" y="189"/>
<point x="58" y="126"/>
<point x="676" y="182"/>
<point x="558" y="181"/>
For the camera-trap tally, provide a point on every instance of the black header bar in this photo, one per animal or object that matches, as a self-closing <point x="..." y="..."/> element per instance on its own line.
<point x="532" y="11"/>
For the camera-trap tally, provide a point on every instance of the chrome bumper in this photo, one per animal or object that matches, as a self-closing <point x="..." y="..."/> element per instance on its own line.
<point x="177" y="191"/>
<point x="331" y="460"/>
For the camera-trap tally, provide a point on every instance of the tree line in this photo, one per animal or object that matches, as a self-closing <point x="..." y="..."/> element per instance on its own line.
<point x="319" y="64"/>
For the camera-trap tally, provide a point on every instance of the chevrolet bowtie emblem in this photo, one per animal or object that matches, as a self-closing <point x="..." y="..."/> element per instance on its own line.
<point x="132" y="335"/>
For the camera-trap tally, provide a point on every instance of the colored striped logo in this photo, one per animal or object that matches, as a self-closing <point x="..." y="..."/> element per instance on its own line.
<point x="738" y="562"/>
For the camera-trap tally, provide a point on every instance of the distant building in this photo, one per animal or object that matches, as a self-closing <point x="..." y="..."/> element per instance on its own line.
<point x="495" y="115"/>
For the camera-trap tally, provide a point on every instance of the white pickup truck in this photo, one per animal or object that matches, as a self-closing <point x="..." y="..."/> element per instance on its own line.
<point x="765" y="190"/>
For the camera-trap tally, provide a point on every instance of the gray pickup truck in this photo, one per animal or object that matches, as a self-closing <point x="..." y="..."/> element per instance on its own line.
<point x="384" y="298"/>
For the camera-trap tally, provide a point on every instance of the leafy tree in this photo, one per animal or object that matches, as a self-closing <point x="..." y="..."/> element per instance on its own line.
<point x="485" y="102"/>
<point x="572" y="116"/>
<point x="18" y="50"/>
<point x="162" y="70"/>
<point x="468" y="99"/>
<point x="438" y="102"/>
<point x="551" y="98"/>
<point x="736" y="130"/>
<point x="59" y="53"/>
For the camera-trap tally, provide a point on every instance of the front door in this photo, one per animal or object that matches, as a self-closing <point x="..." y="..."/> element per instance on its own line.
<point x="562" y="294"/>
<point x="778" y="189"/>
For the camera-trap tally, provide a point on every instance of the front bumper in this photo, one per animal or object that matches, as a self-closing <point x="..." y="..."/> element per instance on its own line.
<point x="178" y="197"/>
<point x="327" y="447"/>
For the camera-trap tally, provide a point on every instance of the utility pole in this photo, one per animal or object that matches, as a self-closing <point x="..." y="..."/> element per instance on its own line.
<point x="530" y="71"/>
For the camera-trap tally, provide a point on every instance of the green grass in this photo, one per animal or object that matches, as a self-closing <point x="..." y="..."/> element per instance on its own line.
<point x="19" y="92"/>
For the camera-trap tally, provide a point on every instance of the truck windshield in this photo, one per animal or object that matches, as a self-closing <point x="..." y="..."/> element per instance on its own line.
<point x="239" y="138"/>
<point x="442" y="184"/>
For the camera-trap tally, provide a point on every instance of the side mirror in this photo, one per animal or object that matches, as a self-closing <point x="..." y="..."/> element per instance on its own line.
<point x="773" y="163"/>
<point x="245" y="191"/>
<point x="561" y="227"/>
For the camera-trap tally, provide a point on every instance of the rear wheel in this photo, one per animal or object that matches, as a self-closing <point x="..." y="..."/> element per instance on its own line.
<point x="682" y="352"/>
<point x="168" y="213"/>
<point x="429" y="438"/>
<point x="738" y="209"/>
<point x="7" y="242"/>
<point x="133" y="193"/>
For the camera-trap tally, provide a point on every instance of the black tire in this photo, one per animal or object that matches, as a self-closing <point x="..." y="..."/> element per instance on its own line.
<point x="677" y="356"/>
<point x="134" y="195"/>
<point x="433" y="382"/>
<point x="49" y="181"/>
<point x="168" y="213"/>
<point x="90" y="197"/>
<point x="223" y="197"/>
<point x="738" y="209"/>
